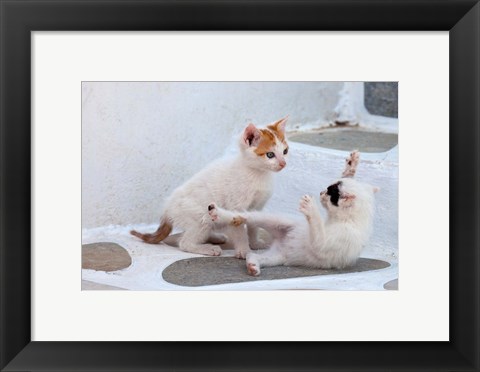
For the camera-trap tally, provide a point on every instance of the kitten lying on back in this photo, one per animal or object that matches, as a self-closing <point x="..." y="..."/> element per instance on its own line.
<point x="242" y="183"/>
<point x="336" y="243"/>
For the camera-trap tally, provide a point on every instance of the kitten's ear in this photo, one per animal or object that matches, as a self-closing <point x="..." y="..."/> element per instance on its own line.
<point x="251" y="135"/>
<point x="279" y="126"/>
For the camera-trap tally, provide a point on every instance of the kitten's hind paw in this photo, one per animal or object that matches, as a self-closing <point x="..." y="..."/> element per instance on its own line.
<point x="224" y="217"/>
<point x="253" y="266"/>
<point x="253" y="269"/>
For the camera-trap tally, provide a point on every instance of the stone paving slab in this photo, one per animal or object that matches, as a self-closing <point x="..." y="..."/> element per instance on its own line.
<point x="347" y="139"/>
<point x="392" y="285"/>
<point x="105" y="257"/>
<point x="201" y="271"/>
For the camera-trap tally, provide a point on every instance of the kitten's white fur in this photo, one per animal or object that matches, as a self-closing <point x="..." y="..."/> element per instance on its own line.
<point x="242" y="183"/>
<point x="335" y="243"/>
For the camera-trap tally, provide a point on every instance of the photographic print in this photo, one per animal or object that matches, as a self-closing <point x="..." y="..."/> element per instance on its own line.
<point x="239" y="185"/>
<point x="139" y="146"/>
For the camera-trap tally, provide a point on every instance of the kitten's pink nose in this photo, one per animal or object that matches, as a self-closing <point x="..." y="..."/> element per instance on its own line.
<point x="282" y="163"/>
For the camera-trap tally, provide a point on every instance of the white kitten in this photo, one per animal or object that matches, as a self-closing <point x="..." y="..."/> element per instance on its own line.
<point x="336" y="243"/>
<point x="242" y="183"/>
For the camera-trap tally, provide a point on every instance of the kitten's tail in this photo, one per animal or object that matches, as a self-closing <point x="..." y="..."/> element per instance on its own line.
<point x="162" y="232"/>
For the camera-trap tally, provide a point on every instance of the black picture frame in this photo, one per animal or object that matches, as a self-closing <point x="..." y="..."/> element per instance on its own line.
<point x="18" y="18"/>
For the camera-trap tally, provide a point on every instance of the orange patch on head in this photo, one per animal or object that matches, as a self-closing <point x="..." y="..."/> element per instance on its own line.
<point x="280" y="135"/>
<point x="266" y="143"/>
<point x="279" y="128"/>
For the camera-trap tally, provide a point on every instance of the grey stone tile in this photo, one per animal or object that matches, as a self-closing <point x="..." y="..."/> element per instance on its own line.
<point x="348" y="140"/>
<point x="201" y="271"/>
<point x="105" y="256"/>
<point x="391" y="285"/>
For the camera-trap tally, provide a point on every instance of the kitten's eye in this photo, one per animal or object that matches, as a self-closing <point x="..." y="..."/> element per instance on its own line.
<point x="285" y="151"/>
<point x="270" y="155"/>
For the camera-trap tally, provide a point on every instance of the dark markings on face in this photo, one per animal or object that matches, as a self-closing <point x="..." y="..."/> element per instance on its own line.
<point x="334" y="193"/>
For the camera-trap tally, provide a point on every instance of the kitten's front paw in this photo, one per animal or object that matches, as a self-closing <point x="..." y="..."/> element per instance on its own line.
<point x="353" y="159"/>
<point x="214" y="251"/>
<point x="307" y="205"/>
<point x="212" y="211"/>
<point x="351" y="164"/>
<point x="206" y="249"/>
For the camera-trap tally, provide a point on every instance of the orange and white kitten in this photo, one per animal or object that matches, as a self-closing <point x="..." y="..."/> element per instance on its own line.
<point x="242" y="183"/>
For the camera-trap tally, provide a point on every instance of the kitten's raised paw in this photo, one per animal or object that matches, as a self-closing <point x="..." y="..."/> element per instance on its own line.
<point x="354" y="156"/>
<point x="306" y="205"/>
<point x="212" y="211"/>
<point x="353" y="159"/>
<point x="351" y="164"/>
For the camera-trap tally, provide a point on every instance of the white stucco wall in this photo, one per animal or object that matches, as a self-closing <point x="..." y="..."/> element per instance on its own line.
<point x="140" y="140"/>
